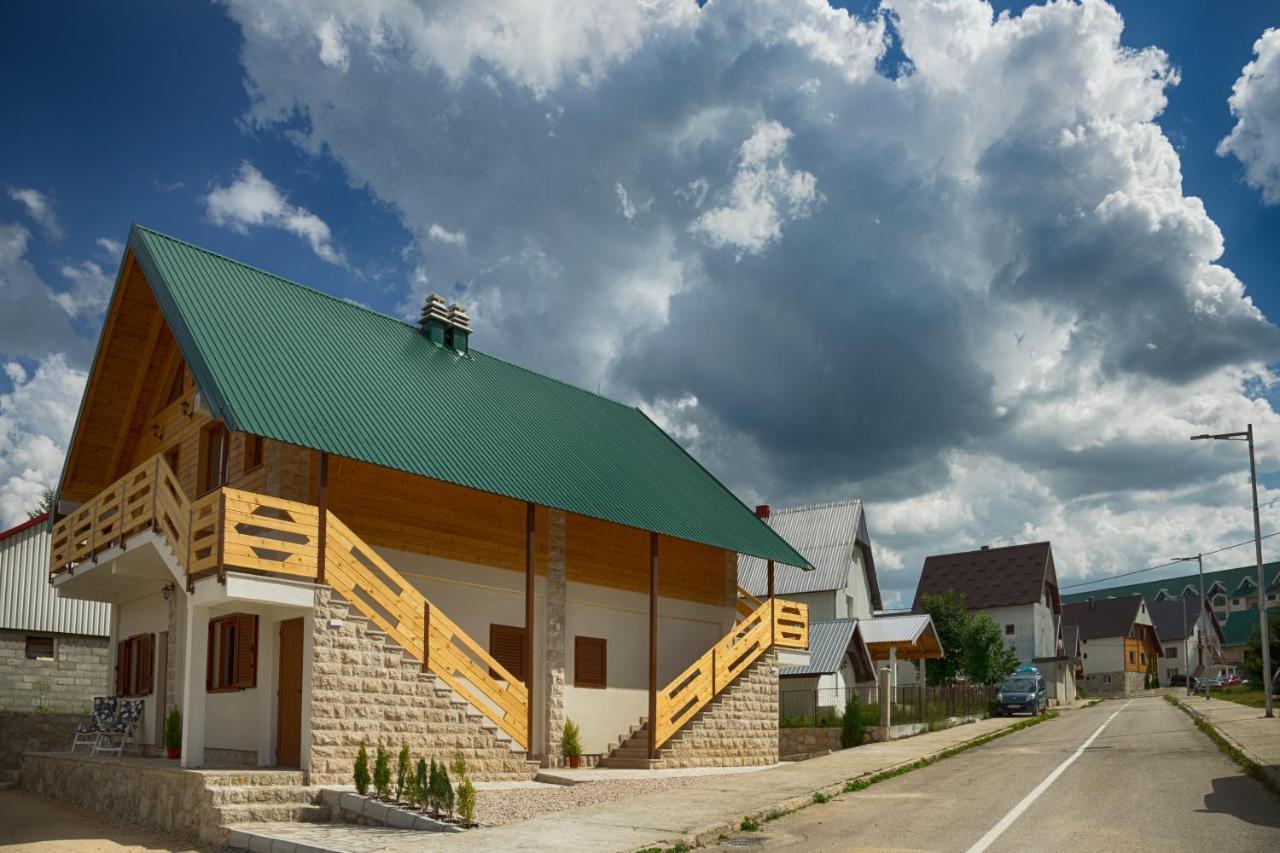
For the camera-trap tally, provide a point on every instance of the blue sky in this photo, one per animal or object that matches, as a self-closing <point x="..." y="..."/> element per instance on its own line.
<point x="538" y="181"/>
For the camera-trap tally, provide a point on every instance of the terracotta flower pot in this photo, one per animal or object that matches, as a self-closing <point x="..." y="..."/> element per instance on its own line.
<point x="575" y="761"/>
<point x="173" y="751"/>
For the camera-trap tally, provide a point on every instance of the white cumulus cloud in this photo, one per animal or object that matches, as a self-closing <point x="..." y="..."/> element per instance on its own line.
<point x="35" y="426"/>
<point x="40" y="208"/>
<point x="1255" y="103"/>
<point x="252" y="200"/>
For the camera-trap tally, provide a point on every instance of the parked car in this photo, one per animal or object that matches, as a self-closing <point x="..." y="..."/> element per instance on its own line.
<point x="1231" y="681"/>
<point x="1025" y="690"/>
<point x="1179" y="680"/>
<point x="1209" y="683"/>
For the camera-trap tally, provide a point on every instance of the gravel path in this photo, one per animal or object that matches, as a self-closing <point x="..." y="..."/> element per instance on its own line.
<point x="511" y="805"/>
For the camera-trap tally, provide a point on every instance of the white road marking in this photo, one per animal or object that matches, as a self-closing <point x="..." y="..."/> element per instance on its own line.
<point x="1005" y="822"/>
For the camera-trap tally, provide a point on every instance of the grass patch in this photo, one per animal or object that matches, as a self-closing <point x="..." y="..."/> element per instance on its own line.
<point x="1251" y="768"/>
<point x="819" y="798"/>
<point x="1250" y="696"/>
<point x="750" y="824"/>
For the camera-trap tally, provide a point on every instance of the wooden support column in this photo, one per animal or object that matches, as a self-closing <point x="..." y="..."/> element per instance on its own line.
<point x="426" y="635"/>
<point x="322" y="533"/>
<point x="528" y="618"/>
<point x="653" y="645"/>
<point x="771" y="578"/>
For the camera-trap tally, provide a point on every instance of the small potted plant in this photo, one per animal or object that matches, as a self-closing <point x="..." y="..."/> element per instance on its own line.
<point x="173" y="734"/>
<point x="571" y="744"/>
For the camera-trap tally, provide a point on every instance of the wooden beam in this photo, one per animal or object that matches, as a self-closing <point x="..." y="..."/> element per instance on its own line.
<point x="322" y="531"/>
<point x="529" y="520"/>
<point x="771" y="578"/>
<point x="653" y="645"/>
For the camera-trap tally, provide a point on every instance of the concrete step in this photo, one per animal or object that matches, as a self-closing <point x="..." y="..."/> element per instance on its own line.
<point x="236" y="813"/>
<point x="628" y="763"/>
<point x="628" y="752"/>
<point x="235" y="794"/>
<point x="254" y="777"/>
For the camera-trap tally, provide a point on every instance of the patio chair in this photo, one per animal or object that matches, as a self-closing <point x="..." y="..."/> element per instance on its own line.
<point x="104" y="714"/>
<point x="123" y="726"/>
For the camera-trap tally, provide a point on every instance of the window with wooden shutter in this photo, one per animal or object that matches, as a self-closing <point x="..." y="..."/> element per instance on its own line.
<point x="253" y="451"/>
<point x="231" y="662"/>
<point x="134" y="657"/>
<point x="40" y="648"/>
<point x="590" y="662"/>
<point x="506" y="644"/>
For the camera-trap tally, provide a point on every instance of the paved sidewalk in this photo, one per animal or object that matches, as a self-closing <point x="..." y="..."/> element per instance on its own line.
<point x="1246" y="728"/>
<point x="715" y="807"/>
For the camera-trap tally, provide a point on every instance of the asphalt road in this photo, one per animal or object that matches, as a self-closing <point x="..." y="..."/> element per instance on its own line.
<point x="1148" y="781"/>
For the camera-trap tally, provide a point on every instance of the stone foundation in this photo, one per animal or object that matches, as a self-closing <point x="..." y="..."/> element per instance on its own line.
<point x="1121" y="683"/>
<point x="365" y="689"/>
<point x="738" y="729"/>
<point x="21" y="733"/>
<point x="799" y="742"/>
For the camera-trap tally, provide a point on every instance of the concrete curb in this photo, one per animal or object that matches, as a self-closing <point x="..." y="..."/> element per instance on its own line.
<point x="1267" y="770"/>
<point x="713" y="832"/>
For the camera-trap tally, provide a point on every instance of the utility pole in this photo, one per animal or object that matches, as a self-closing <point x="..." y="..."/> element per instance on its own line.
<point x="1247" y="435"/>
<point x="1199" y="558"/>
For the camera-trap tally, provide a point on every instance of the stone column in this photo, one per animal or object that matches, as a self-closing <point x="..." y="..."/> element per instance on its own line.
<point x="885" y="701"/>
<point x="557" y="590"/>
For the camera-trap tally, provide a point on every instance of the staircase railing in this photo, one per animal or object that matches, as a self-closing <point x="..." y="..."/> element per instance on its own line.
<point x="746" y="604"/>
<point x="380" y="593"/>
<point x="774" y="623"/>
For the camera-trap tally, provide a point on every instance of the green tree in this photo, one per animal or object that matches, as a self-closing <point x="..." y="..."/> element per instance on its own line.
<point x="986" y="658"/>
<point x="1252" y="664"/>
<point x="446" y="791"/>
<point x="382" y="773"/>
<point x="45" y="504"/>
<point x="467" y="802"/>
<point x="404" y="767"/>
<point x="433" y="787"/>
<point x="420" y="782"/>
<point x="951" y="621"/>
<point x="851" y="725"/>
<point x="362" y="771"/>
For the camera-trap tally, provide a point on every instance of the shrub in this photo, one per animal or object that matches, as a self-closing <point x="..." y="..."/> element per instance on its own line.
<point x="467" y="802"/>
<point x="459" y="765"/>
<point x="1081" y="693"/>
<point x="446" y="791"/>
<point x="362" y="771"/>
<point x="571" y="743"/>
<point x="851" y="725"/>
<point x="404" y="767"/>
<point x="173" y="729"/>
<point x="420" y="780"/>
<point x="433" y="787"/>
<point x="750" y="824"/>
<point x="382" y="773"/>
<point x="819" y="798"/>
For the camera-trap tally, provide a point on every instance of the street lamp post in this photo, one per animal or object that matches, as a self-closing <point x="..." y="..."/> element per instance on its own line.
<point x="1199" y="558"/>
<point x="1247" y="436"/>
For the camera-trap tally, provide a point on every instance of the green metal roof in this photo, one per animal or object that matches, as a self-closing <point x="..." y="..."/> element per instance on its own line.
<point x="1229" y="578"/>
<point x="277" y="359"/>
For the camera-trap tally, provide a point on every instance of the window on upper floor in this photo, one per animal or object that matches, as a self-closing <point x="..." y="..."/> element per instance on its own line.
<point x="1170" y="652"/>
<point x="1008" y="630"/>
<point x="254" y="446"/>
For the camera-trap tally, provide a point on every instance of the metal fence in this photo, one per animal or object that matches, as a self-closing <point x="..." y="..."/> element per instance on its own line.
<point x="917" y="703"/>
<point x="911" y="704"/>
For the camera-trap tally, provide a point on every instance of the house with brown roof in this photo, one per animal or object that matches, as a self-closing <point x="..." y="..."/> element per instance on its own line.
<point x="1016" y="586"/>
<point x="1120" y="646"/>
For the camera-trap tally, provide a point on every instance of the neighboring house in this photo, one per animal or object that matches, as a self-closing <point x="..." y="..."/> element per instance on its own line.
<point x="1235" y="637"/>
<point x="1017" y="586"/>
<point x="1120" y="648"/>
<point x="1228" y="591"/>
<point x="54" y="654"/>
<point x="1190" y="645"/>
<point x="834" y="538"/>
<point x="320" y="525"/>
<point x="838" y="663"/>
<point x="904" y="643"/>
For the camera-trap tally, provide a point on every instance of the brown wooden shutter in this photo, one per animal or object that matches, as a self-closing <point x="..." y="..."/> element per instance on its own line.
<point x="246" y="665"/>
<point x="122" y="649"/>
<point x="145" y="644"/>
<point x="590" y="660"/>
<point x="506" y="644"/>
<point x="208" y="659"/>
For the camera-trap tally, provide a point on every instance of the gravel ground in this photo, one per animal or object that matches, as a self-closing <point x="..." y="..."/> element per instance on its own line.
<point x="511" y="805"/>
<point x="30" y="823"/>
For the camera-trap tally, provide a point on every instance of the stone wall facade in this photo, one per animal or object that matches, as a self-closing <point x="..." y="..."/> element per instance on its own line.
<point x="1113" y="683"/>
<point x="557" y="600"/>
<point x="738" y="729"/>
<point x="365" y="689"/>
<point x="799" y="742"/>
<point x="25" y="731"/>
<point x="66" y="684"/>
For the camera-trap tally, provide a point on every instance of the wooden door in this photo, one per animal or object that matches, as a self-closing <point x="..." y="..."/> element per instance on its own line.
<point x="289" y="696"/>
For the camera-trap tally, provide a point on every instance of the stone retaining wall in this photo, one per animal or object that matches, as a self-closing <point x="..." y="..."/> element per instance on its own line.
<point x="806" y="741"/>
<point x="1121" y="683"/>
<point x="165" y="798"/>
<point x="23" y="732"/>
<point x="364" y="690"/>
<point x="738" y="729"/>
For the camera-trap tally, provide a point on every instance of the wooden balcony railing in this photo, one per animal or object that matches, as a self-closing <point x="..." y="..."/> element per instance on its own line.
<point x="746" y="604"/>
<point x="774" y="623"/>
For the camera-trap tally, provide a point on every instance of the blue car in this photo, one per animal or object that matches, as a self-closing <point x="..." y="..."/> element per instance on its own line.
<point x="1022" y="692"/>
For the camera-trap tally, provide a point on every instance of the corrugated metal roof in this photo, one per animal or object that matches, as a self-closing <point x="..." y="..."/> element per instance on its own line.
<point x="28" y="602"/>
<point x="296" y="365"/>
<point x="826" y="535"/>
<point x="1226" y="579"/>
<point x="828" y="642"/>
<point x="904" y="629"/>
